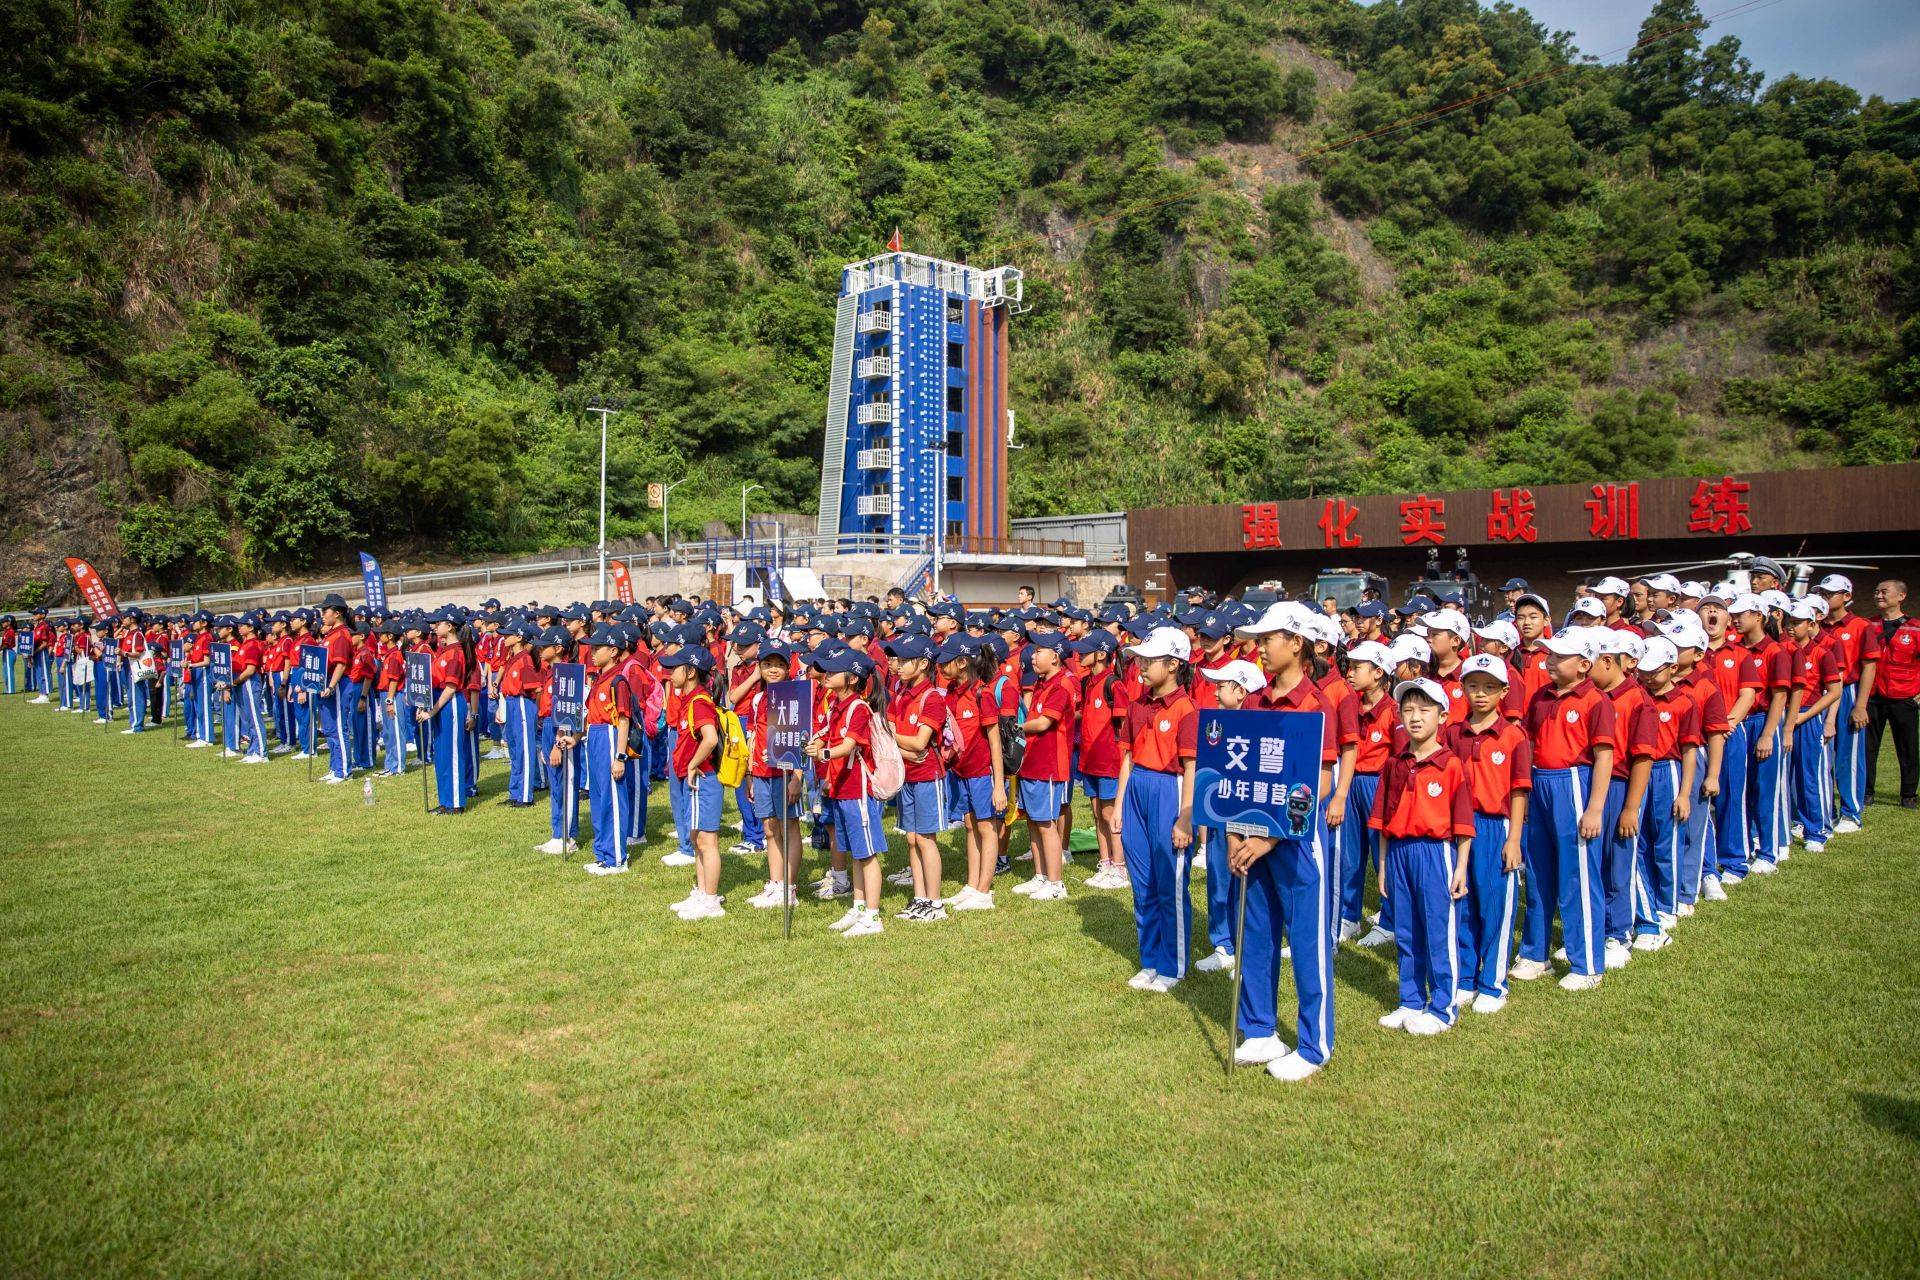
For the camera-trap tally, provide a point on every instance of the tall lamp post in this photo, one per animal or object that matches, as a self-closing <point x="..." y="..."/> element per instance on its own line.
<point x="746" y="489"/>
<point x="666" y="525"/>
<point x="606" y="409"/>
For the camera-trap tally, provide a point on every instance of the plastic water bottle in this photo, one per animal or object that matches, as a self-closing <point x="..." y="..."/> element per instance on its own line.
<point x="366" y="792"/>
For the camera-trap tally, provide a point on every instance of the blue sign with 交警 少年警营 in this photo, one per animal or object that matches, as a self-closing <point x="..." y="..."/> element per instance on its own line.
<point x="1257" y="773"/>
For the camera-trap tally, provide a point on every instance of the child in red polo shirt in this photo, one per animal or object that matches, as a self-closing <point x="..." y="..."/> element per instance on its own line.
<point x="1153" y="812"/>
<point x="1499" y="765"/>
<point x="1812" y="705"/>
<point x="1674" y="715"/>
<point x="1613" y="668"/>
<point x="1423" y="814"/>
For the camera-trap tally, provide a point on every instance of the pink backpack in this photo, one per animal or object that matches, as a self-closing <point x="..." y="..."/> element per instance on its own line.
<point x="889" y="772"/>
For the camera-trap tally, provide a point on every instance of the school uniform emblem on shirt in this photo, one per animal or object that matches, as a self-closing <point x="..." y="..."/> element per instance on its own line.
<point x="1666" y="716"/>
<point x="1499" y="757"/>
<point x="1376" y="736"/>
<point x="1165" y="725"/>
<point x="1433" y="789"/>
<point x="1573" y="717"/>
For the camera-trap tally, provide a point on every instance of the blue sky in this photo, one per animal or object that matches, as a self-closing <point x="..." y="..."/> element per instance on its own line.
<point x="1873" y="45"/>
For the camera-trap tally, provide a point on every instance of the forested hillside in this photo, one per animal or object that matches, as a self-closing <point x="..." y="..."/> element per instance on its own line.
<point x="280" y="277"/>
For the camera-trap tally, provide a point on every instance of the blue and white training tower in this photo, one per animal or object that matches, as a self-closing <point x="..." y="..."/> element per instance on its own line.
<point x="917" y="414"/>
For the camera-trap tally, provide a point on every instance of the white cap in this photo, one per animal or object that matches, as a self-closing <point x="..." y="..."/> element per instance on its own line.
<point x="1746" y="602"/>
<point x="1240" y="672"/>
<point x="1685" y="635"/>
<point x="1409" y="648"/>
<point x="1619" y="643"/>
<point x="1372" y="651"/>
<point x="1684" y="615"/>
<point x="1574" y="642"/>
<point x="1500" y="631"/>
<point x="1775" y="598"/>
<point x="1535" y="599"/>
<point x="1724" y="592"/>
<point x="1610" y="586"/>
<point x="1448" y="620"/>
<point x="1663" y="582"/>
<point x="1806" y="610"/>
<point x="1837" y="582"/>
<point x="1658" y="652"/>
<point x="1429" y="687"/>
<point x="1324" y="629"/>
<point x="1485" y="664"/>
<point x="1164" y="642"/>
<point x="1694" y="589"/>
<point x="1590" y="606"/>
<point x="1282" y="615"/>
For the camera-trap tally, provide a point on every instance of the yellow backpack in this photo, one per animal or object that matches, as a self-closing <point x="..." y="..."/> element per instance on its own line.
<point x="734" y="751"/>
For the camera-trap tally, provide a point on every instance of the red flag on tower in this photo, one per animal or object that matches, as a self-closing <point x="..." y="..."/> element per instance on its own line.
<point x="93" y="588"/>
<point x="895" y="244"/>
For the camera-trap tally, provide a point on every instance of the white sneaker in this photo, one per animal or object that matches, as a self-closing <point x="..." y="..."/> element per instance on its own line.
<point x="902" y="877"/>
<point x="1650" y="941"/>
<point x="1349" y="930"/>
<point x="707" y="908"/>
<point x="677" y="859"/>
<point x="1049" y="891"/>
<point x="1024" y="857"/>
<point x="1140" y="980"/>
<point x="1028" y="887"/>
<point x="934" y="910"/>
<point x="1397" y="1020"/>
<point x="1484" y="1003"/>
<point x="850" y="919"/>
<point x="977" y="902"/>
<point x="1845" y="827"/>
<point x="1616" y="955"/>
<point x="1669" y="922"/>
<point x="1292" y="1068"/>
<point x="1218" y="962"/>
<point x="99" y="719"/>
<point x="1728" y="879"/>
<point x="1686" y="910"/>
<point x="1762" y="867"/>
<point x="550" y="847"/>
<point x="41" y="701"/>
<point x="127" y="731"/>
<point x="1462" y="997"/>
<point x="1424" y="1024"/>
<point x="1376" y="937"/>
<point x="333" y="779"/>
<point x="866" y="926"/>
<point x="595" y="869"/>
<point x="495" y="754"/>
<point x="1560" y="954"/>
<point x="767" y="897"/>
<point x="1784" y="854"/>
<point x="1258" y="1051"/>
<point x="1161" y="984"/>
<point x="1286" y="951"/>
<point x="687" y="901"/>
<point x="1527" y="970"/>
<point x="194" y="743"/>
<point x="254" y="760"/>
<point x="1580" y="982"/>
<point x="1098" y="880"/>
<point x="303" y="755"/>
<point x="1813" y="846"/>
<point x="740" y="847"/>
<point x="618" y="869"/>
<point x="1711" y="891"/>
<point x="1797" y="830"/>
<point x="833" y="885"/>
<point x="1199" y="860"/>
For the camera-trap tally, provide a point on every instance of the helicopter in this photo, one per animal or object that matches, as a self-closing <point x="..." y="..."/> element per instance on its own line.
<point x="1738" y="567"/>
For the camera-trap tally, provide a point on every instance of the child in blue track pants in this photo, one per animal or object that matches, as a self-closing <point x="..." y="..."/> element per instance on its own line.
<point x="1231" y="682"/>
<point x="1571" y="726"/>
<point x="446" y="718"/>
<point x="1670" y="796"/>
<point x="518" y="709"/>
<point x="1499" y="766"/>
<point x="1811" y="705"/>
<point x="1153" y="809"/>
<point x="562" y="755"/>
<point x="1286" y="879"/>
<point x="1767" y="781"/>
<point x="1694" y="677"/>
<point x="1369" y="673"/>
<point x="1423" y="820"/>
<point x="1613" y="675"/>
<point x="609" y="721"/>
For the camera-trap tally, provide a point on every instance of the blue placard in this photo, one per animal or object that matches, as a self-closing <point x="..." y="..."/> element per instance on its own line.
<point x="420" y="681"/>
<point x="110" y="652"/>
<point x="789" y="723"/>
<point x="313" y="667"/>
<point x="220" y="663"/>
<point x="176" y="652"/>
<point x="569" y="696"/>
<point x="1258" y="772"/>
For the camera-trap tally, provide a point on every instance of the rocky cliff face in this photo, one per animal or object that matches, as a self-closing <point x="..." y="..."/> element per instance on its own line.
<point x="57" y="498"/>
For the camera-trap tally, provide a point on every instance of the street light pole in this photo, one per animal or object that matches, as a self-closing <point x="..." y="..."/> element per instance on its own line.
<point x="666" y="525"/>
<point x="745" y="489"/>
<point x="605" y="411"/>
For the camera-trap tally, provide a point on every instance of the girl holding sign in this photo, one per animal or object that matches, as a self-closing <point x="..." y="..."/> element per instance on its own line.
<point x="696" y="758"/>
<point x="448" y="714"/>
<point x="777" y="795"/>
<point x="844" y="749"/>
<point x="1286" y="879"/>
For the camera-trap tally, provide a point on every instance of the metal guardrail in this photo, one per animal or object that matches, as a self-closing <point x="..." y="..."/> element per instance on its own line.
<point x="978" y="546"/>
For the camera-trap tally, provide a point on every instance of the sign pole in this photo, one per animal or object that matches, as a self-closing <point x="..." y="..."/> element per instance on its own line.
<point x="426" y="795"/>
<point x="1239" y="968"/>
<point x="792" y="856"/>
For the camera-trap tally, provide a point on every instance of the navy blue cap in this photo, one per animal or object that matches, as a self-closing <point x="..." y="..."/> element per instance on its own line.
<point x="1516" y="584"/>
<point x="846" y="659"/>
<point x="334" y="600"/>
<point x="779" y="649"/>
<point x="1013" y="620"/>
<point x="909" y="647"/>
<point x="697" y="656"/>
<point x="956" y="647"/>
<point x="947" y="609"/>
<point x="604" y="634"/>
<point x="1370" y="609"/>
<point x="1096" y="642"/>
<point x="1209" y="623"/>
<point x="745" y="634"/>
<point x="997" y="645"/>
<point x="574" y="613"/>
<point x="556" y="636"/>
<point x="1139" y="628"/>
<point x="1111" y="615"/>
<point x="856" y="626"/>
<point x="978" y="621"/>
<point x="1048" y="640"/>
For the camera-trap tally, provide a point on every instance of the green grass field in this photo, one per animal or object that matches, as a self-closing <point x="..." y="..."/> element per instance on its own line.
<point x="250" y="1026"/>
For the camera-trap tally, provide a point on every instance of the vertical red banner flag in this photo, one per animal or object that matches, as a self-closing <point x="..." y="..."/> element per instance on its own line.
<point x="622" y="581"/>
<point x="93" y="587"/>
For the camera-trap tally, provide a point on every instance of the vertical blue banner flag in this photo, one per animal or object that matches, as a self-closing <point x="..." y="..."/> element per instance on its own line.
<point x="789" y="723"/>
<point x="313" y="667"/>
<point x="569" y="697"/>
<point x="220" y="663"/>
<point x="1258" y="772"/>
<point x="420" y="681"/>
<point x="375" y="583"/>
